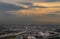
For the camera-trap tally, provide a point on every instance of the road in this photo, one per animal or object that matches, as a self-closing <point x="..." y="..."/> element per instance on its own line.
<point x="12" y="34"/>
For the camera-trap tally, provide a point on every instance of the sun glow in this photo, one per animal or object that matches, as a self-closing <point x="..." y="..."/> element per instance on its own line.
<point x="47" y="4"/>
<point x="37" y="11"/>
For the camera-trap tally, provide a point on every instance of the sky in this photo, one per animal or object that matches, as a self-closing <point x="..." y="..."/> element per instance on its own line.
<point x="29" y="11"/>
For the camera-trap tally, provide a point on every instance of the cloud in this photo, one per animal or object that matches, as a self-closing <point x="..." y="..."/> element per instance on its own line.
<point x="15" y="13"/>
<point x="4" y="7"/>
<point x="45" y="0"/>
<point x="47" y="4"/>
<point x="25" y="3"/>
<point x="52" y="0"/>
<point x="35" y="8"/>
<point x="36" y="11"/>
<point x="56" y="12"/>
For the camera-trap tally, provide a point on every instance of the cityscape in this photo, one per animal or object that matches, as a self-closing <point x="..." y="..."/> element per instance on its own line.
<point x="29" y="19"/>
<point x="30" y="31"/>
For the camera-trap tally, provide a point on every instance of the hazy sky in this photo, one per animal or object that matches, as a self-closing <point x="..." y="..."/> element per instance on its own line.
<point x="29" y="11"/>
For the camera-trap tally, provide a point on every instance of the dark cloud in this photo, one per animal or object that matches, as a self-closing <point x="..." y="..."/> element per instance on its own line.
<point x="25" y="3"/>
<point x="5" y="6"/>
<point x="31" y="5"/>
<point x="40" y="7"/>
<point x="5" y="17"/>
